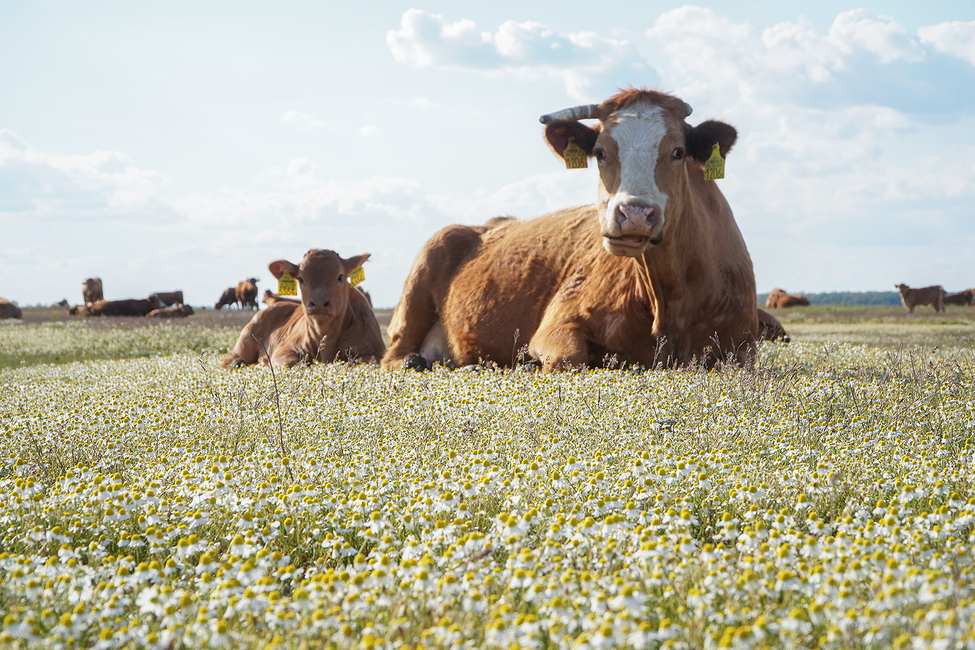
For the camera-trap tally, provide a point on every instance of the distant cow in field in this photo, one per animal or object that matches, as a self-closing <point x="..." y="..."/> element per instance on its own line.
<point x="677" y="288"/>
<point x="168" y="298"/>
<point x="246" y="293"/>
<point x="228" y="298"/>
<point x="91" y="290"/>
<point x="332" y="321"/>
<point x="180" y="311"/>
<point x="933" y="296"/>
<point x="965" y="298"/>
<point x="271" y="298"/>
<point x="8" y="309"/>
<point x="769" y="327"/>
<point x="64" y="303"/>
<point x="79" y="310"/>
<point x="779" y="299"/>
<point x="129" y="307"/>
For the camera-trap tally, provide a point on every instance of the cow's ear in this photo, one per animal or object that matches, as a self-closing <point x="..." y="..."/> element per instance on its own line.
<point x="278" y="267"/>
<point x="701" y="139"/>
<point x="558" y="134"/>
<point x="354" y="262"/>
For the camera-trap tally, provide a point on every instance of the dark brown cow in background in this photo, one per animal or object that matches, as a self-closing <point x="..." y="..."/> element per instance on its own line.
<point x="964" y="298"/>
<point x="168" y="298"/>
<point x="246" y="293"/>
<point x="8" y="309"/>
<point x="678" y="287"/>
<point x="227" y="298"/>
<point x="933" y="296"/>
<point x="332" y="321"/>
<point x="779" y="299"/>
<point x="91" y="290"/>
<point x="128" y="307"/>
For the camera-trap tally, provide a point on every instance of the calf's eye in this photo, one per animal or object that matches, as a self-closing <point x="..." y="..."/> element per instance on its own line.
<point x="678" y="153"/>
<point x="341" y="277"/>
<point x="599" y="154"/>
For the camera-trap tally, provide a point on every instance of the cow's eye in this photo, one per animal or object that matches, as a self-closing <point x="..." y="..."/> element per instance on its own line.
<point x="599" y="154"/>
<point x="341" y="277"/>
<point x="678" y="153"/>
<point x="300" y="281"/>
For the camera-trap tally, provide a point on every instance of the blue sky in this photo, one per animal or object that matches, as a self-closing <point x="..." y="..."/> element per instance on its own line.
<point x="173" y="145"/>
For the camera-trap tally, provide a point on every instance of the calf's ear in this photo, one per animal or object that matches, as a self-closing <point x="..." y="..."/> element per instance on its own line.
<point x="278" y="267"/>
<point x="558" y="134"/>
<point x="701" y="139"/>
<point x="354" y="262"/>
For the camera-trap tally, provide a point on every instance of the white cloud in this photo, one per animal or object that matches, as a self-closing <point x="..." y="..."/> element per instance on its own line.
<point x="303" y="120"/>
<point x="584" y="62"/>
<point x="370" y="131"/>
<point x="882" y="36"/>
<point x="954" y="38"/>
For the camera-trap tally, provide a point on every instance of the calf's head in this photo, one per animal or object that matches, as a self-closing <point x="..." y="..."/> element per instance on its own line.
<point x="644" y="149"/>
<point x="324" y="280"/>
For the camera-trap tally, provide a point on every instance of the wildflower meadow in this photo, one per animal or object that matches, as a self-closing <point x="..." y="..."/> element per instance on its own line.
<point x="821" y="499"/>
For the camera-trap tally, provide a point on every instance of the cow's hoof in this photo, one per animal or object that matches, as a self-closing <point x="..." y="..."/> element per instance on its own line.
<point x="236" y="363"/>
<point x="415" y="362"/>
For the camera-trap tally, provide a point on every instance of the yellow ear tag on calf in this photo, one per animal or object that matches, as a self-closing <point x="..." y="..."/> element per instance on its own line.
<point x="574" y="156"/>
<point x="357" y="276"/>
<point x="287" y="285"/>
<point x="714" y="166"/>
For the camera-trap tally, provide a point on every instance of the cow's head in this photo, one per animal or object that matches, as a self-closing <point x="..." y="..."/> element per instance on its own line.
<point x="643" y="148"/>
<point x="324" y="280"/>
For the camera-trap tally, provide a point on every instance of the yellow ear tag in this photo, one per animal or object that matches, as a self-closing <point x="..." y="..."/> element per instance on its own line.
<point x="574" y="156"/>
<point x="357" y="276"/>
<point x="287" y="285"/>
<point x="714" y="166"/>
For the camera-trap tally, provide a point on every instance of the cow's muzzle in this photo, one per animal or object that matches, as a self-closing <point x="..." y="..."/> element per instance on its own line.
<point x="633" y="228"/>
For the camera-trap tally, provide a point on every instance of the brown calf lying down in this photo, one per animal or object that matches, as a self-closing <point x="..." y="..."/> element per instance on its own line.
<point x="8" y="309"/>
<point x="779" y="299"/>
<point x="332" y="321"/>
<point x="129" y="307"/>
<point x="677" y="287"/>
<point x="246" y="293"/>
<point x="271" y="298"/>
<point x="933" y="296"/>
<point x="228" y="298"/>
<point x="181" y="311"/>
<point x="168" y="298"/>
<point x="91" y="290"/>
<point x="966" y="298"/>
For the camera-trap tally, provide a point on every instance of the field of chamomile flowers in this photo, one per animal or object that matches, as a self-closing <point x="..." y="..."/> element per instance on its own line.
<point x="823" y="499"/>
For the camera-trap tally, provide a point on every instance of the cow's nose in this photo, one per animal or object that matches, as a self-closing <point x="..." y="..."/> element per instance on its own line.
<point x="637" y="211"/>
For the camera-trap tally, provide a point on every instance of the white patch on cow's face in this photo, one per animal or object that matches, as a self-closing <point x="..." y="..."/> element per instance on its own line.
<point x="632" y="217"/>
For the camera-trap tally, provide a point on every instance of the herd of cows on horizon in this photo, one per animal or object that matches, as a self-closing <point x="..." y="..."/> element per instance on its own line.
<point x="655" y="272"/>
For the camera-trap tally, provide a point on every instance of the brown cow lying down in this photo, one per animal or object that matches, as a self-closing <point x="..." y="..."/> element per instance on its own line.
<point x="8" y="309"/>
<point x="271" y="298"/>
<point x="246" y="293"/>
<point x="677" y="287"/>
<point x="78" y="310"/>
<point x="779" y="299"/>
<point x="332" y="321"/>
<point x="933" y="296"/>
<point x="965" y="298"/>
<point x="228" y="298"/>
<point x="129" y="307"/>
<point x="168" y="298"/>
<point x="180" y="311"/>
<point x="91" y="290"/>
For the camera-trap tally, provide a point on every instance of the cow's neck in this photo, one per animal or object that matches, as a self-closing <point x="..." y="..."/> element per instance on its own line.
<point x="322" y="341"/>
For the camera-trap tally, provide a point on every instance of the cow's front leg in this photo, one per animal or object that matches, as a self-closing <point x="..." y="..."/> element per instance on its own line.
<point x="559" y="347"/>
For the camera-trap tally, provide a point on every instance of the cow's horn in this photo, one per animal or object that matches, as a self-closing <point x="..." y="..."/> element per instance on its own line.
<point x="588" y="112"/>
<point x="687" y="107"/>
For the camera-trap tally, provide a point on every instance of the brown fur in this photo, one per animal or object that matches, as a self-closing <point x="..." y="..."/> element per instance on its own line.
<point x="548" y="283"/>
<point x="169" y="298"/>
<point x="246" y="293"/>
<point x="933" y="296"/>
<point x="228" y="298"/>
<point x="779" y="299"/>
<point x="128" y="307"/>
<point x="273" y="298"/>
<point x="770" y="328"/>
<point x="8" y="309"/>
<point x="91" y="290"/>
<point x="332" y="321"/>
<point x="180" y="311"/>
<point x="964" y="298"/>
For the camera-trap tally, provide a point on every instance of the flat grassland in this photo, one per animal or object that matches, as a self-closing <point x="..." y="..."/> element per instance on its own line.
<point x="823" y="498"/>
